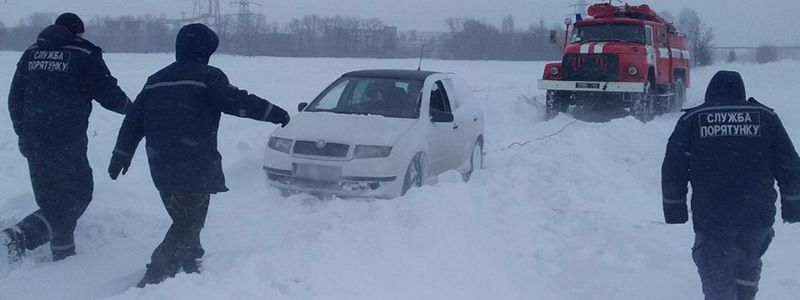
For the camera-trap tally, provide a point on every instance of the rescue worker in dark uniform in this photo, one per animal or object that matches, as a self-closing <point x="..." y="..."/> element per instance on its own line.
<point x="178" y="112"/>
<point x="731" y="150"/>
<point x="50" y="102"/>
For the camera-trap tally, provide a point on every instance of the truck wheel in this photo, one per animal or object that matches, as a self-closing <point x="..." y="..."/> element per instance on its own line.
<point x="642" y="104"/>
<point x="554" y="105"/>
<point x="680" y="96"/>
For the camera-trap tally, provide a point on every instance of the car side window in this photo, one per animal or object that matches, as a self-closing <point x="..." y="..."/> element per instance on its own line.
<point x="439" y="99"/>
<point x="453" y="93"/>
<point x="648" y="35"/>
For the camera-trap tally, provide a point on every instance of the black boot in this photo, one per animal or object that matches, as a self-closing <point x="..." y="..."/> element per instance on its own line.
<point x="62" y="254"/>
<point x="154" y="275"/>
<point x="14" y="241"/>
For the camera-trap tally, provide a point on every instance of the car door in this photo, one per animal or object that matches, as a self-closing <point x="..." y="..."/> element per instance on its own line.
<point x="443" y="144"/>
<point x="465" y="122"/>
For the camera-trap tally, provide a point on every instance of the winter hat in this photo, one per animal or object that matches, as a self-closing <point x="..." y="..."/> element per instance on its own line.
<point x="726" y="86"/>
<point x="196" y="42"/>
<point x="71" y="21"/>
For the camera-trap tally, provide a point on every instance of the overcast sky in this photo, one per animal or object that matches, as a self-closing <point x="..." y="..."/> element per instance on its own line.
<point x="736" y="22"/>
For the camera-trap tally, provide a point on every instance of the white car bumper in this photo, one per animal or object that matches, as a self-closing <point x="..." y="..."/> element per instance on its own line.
<point x="591" y="86"/>
<point x="373" y="178"/>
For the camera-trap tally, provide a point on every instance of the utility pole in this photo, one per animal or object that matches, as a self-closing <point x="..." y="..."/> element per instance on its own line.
<point x="207" y="11"/>
<point x="246" y="27"/>
<point x="244" y="15"/>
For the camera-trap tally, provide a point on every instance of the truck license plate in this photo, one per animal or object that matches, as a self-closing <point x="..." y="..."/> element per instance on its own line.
<point x="317" y="172"/>
<point x="587" y="85"/>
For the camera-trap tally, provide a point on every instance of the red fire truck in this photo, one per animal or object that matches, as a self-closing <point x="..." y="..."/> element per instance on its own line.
<point x="622" y="57"/>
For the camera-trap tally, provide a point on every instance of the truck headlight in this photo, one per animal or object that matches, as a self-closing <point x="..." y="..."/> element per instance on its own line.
<point x="554" y="71"/>
<point x="280" y="144"/>
<point x="365" y="151"/>
<point x="633" y="71"/>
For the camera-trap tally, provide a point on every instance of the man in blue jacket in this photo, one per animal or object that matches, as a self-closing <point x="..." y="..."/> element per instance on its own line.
<point x="178" y="112"/>
<point x="50" y="102"/>
<point x="731" y="150"/>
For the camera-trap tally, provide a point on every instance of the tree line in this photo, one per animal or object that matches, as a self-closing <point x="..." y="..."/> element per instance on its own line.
<point x="309" y="36"/>
<point x="341" y="36"/>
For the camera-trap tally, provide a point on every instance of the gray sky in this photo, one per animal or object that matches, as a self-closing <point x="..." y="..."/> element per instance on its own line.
<point x="736" y="22"/>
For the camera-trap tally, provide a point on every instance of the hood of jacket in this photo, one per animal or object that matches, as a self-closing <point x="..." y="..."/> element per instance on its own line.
<point x="196" y="42"/>
<point x="54" y="36"/>
<point x="726" y="87"/>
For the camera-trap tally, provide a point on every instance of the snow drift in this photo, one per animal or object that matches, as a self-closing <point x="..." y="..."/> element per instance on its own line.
<point x="573" y="216"/>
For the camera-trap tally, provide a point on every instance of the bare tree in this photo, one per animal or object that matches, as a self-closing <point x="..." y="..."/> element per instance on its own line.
<point x="373" y="24"/>
<point x="766" y="54"/>
<point x="667" y="16"/>
<point x="454" y="24"/>
<point x="4" y="37"/>
<point x="701" y="36"/>
<point x="731" y="57"/>
<point x="508" y="24"/>
<point x="39" y="20"/>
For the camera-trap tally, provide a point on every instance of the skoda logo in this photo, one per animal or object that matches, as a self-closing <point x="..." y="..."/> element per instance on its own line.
<point x="321" y="144"/>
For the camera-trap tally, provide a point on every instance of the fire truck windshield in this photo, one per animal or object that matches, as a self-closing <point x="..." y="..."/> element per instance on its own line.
<point x="609" y="32"/>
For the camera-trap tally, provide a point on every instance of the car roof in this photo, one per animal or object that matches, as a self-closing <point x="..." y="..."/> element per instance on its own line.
<point x="393" y="74"/>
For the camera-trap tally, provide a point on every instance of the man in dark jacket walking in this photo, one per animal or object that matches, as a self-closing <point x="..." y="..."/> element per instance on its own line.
<point x="178" y="111"/>
<point x="50" y="102"/>
<point x="732" y="151"/>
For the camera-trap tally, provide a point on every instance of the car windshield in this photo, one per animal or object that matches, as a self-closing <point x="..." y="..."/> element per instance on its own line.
<point x="609" y="32"/>
<point x="396" y="98"/>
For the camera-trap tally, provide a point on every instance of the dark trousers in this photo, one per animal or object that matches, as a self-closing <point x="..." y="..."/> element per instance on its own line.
<point x="181" y="246"/>
<point x="729" y="261"/>
<point x="62" y="185"/>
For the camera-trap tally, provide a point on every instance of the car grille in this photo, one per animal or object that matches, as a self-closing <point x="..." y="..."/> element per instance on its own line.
<point x="590" y="67"/>
<point x="327" y="150"/>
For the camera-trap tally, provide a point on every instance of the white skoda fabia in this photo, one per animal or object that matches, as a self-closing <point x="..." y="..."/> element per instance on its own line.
<point x="378" y="133"/>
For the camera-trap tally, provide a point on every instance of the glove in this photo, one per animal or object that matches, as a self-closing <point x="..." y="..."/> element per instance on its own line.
<point x="790" y="211"/>
<point x="119" y="164"/>
<point x="284" y="119"/>
<point x="23" y="148"/>
<point x="676" y="213"/>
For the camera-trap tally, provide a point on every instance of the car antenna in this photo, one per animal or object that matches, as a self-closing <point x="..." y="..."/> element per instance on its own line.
<point x="421" y="55"/>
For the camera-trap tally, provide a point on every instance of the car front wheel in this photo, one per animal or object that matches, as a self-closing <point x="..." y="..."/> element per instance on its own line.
<point x="475" y="161"/>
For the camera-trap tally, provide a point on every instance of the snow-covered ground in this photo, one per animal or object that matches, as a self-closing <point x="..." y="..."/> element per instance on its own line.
<point x="574" y="216"/>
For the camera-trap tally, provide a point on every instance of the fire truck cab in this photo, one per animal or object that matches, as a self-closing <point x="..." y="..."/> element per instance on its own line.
<point x="623" y="56"/>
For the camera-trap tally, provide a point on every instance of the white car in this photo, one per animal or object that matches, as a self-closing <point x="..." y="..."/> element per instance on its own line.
<point x="378" y="133"/>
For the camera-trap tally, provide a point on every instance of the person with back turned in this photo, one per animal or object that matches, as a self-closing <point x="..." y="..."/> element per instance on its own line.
<point x="178" y="112"/>
<point x="732" y="150"/>
<point x="50" y="102"/>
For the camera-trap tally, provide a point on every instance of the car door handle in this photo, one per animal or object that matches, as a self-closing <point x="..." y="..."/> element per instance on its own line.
<point x="455" y="126"/>
<point x="475" y="119"/>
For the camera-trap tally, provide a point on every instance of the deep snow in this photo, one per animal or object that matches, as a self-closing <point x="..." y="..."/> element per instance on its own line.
<point x="574" y="216"/>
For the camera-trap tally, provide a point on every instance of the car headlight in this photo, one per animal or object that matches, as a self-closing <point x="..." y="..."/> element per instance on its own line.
<point x="364" y="151"/>
<point x="554" y="71"/>
<point x="280" y="144"/>
<point x="633" y="71"/>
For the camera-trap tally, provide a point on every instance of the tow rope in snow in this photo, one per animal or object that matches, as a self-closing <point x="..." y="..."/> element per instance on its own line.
<point x="522" y="144"/>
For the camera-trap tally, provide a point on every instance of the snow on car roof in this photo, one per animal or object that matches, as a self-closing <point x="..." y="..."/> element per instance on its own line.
<point x="394" y="74"/>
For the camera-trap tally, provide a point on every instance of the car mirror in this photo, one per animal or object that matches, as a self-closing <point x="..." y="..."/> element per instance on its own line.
<point x="302" y="106"/>
<point x="553" y="38"/>
<point x="438" y="116"/>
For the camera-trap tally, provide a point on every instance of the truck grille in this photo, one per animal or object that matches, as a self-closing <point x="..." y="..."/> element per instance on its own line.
<point x="327" y="150"/>
<point x="590" y="67"/>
